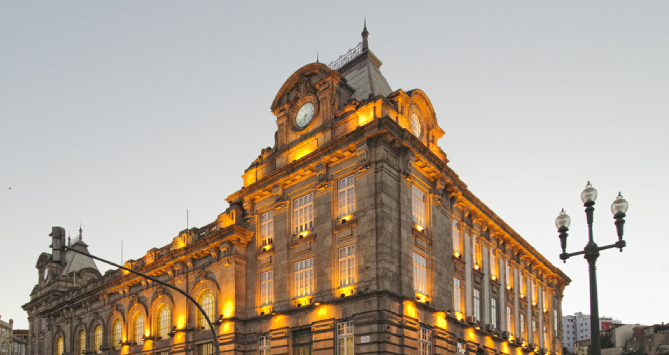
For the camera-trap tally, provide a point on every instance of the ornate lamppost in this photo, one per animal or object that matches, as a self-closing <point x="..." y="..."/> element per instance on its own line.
<point x="591" y="250"/>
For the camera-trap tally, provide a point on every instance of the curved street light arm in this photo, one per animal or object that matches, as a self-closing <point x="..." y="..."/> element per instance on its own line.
<point x="211" y="326"/>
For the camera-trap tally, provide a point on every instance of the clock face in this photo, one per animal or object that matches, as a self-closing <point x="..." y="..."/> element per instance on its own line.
<point x="304" y="115"/>
<point x="46" y="273"/>
<point x="415" y="124"/>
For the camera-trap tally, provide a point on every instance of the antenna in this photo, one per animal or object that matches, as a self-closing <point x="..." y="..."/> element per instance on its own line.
<point x="186" y="220"/>
<point x="121" y="252"/>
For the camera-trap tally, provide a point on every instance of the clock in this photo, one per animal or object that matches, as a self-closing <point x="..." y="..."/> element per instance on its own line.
<point x="304" y="115"/>
<point x="46" y="273"/>
<point x="415" y="125"/>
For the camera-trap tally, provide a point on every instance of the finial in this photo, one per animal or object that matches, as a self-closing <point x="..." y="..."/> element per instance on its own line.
<point x="317" y="57"/>
<point x="80" y="237"/>
<point x="365" y="34"/>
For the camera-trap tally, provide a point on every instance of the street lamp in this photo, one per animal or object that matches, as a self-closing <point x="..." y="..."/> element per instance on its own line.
<point x="591" y="250"/>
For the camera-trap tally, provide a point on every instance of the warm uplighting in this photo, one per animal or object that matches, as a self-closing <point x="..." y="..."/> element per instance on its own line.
<point x="534" y="303"/>
<point x="456" y="254"/>
<point x="317" y="303"/>
<point x="476" y="266"/>
<point x="441" y="320"/>
<point x="458" y="316"/>
<point x="494" y="278"/>
<point x="346" y="218"/>
<point x="181" y="321"/>
<point x="410" y="309"/>
<point x="346" y="291"/>
<point x="421" y="297"/>
<point x="228" y="309"/>
<point x="508" y="287"/>
<point x="266" y="310"/>
<point x="419" y="228"/>
<point x="303" y="301"/>
<point x="365" y="115"/>
<point x="303" y="234"/>
<point x="266" y="248"/>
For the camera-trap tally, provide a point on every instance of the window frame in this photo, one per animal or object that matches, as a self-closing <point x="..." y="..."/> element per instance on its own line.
<point x="267" y="288"/>
<point x="137" y="328"/>
<point x="348" y="337"/>
<point x="424" y="341"/>
<point x="346" y="202"/>
<point x="97" y="342"/>
<point x="117" y="334"/>
<point x="418" y="206"/>
<point x="163" y="322"/>
<point x="303" y="204"/>
<point x="349" y="267"/>
<point x="457" y="295"/>
<point x="455" y="232"/>
<point x="304" y="286"/>
<point x="264" y="345"/>
<point x="419" y="273"/>
<point x="81" y="345"/>
<point x="476" y="296"/>
<point x="207" y="307"/>
<point x="493" y="312"/>
<point x="267" y="228"/>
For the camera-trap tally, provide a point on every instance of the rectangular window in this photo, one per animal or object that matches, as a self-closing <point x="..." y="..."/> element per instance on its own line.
<point x="509" y="320"/>
<point x="555" y="323"/>
<point x="425" y="341"/>
<point x="535" y="336"/>
<point x="267" y="288"/>
<point x="303" y="208"/>
<point x="347" y="265"/>
<point x="477" y="305"/>
<point x="419" y="274"/>
<point x="493" y="267"/>
<point x="509" y="276"/>
<point x="476" y="251"/>
<point x="545" y="337"/>
<point x="418" y="204"/>
<point x="304" y="277"/>
<point x="544" y="299"/>
<point x="205" y="349"/>
<point x="456" y="238"/>
<point x="345" y="338"/>
<point x="302" y="342"/>
<point x="535" y="293"/>
<point x="521" y="284"/>
<point x="264" y="346"/>
<point x="267" y="228"/>
<point x="522" y="326"/>
<point x="493" y="312"/>
<point x="457" y="295"/>
<point x="346" y="196"/>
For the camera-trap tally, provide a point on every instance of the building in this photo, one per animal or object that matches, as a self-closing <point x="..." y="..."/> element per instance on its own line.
<point x="350" y="235"/>
<point x="12" y="342"/>
<point x="577" y="327"/>
<point x="581" y="346"/>
<point x="6" y="336"/>
<point x="651" y="340"/>
<point x="20" y="342"/>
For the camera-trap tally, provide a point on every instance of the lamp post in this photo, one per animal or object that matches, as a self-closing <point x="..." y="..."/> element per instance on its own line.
<point x="591" y="250"/>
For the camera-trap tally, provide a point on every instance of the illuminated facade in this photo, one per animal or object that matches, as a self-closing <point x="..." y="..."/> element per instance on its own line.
<point x="350" y="235"/>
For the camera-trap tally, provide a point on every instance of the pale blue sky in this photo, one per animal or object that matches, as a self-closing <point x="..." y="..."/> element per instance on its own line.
<point x="122" y="115"/>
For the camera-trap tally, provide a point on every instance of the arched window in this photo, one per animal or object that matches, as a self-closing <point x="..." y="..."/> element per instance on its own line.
<point x="98" y="339"/>
<point x="207" y="302"/>
<point x="81" y="343"/>
<point x="163" y="321"/>
<point x="61" y="346"/>
<point x="138" y="328"/>
<point x="116" y="335"/>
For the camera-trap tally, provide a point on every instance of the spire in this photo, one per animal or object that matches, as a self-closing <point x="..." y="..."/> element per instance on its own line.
<point x="365" y="34"/>
<point x="80" y="237"/>
<point x="317" y="57"/>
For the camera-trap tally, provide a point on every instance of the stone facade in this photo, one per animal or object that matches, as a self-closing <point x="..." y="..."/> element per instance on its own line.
<point x="351" y="235"/>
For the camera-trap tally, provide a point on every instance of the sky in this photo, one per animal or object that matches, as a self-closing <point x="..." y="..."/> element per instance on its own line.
<point x="121" y="116"/>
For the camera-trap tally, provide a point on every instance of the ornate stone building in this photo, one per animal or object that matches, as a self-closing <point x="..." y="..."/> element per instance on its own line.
<point x="351" y="235"/>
